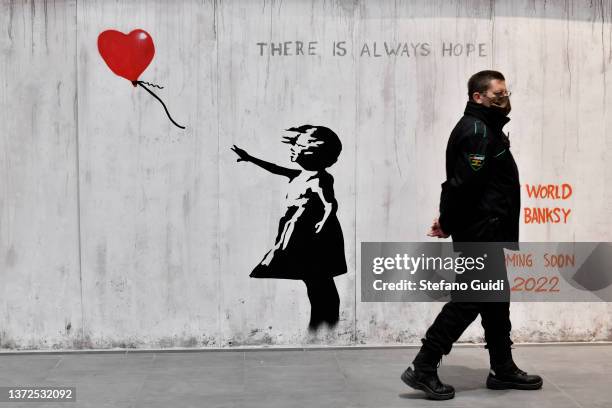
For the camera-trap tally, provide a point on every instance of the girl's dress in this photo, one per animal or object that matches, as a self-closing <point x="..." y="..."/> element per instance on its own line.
<point x="299" y="252"/>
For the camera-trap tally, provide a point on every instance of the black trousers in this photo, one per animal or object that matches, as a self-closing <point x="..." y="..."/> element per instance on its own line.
<point x="456" y="316"/>
<point x="324" y="302"/>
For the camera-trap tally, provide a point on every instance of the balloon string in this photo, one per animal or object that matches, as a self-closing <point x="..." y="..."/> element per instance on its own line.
<point x="150" y="84"/>
<point x="142" y="83"/>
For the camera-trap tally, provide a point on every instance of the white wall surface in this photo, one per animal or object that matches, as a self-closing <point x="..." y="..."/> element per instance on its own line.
<point x="118" y="229"/>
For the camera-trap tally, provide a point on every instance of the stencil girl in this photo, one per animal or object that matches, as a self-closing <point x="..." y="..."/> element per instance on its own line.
<point x="309" y="245"/>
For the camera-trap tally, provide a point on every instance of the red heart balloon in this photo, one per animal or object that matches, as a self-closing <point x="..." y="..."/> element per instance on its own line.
<point x="126" y="55"/>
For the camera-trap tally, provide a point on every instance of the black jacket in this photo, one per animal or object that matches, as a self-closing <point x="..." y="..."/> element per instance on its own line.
<point x="481" y="197"/>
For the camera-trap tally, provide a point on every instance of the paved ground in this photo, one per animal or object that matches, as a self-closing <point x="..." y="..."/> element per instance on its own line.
<point x="574" y="376"/>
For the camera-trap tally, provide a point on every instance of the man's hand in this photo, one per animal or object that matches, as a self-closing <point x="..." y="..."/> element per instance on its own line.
<point x="436" y="231"/>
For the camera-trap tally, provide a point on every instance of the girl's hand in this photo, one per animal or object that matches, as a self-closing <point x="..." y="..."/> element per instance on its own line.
<point x="319" y="226"/>
<point x="242" y="155"/>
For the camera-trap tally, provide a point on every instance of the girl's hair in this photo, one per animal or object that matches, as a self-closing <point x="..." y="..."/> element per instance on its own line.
<point x="323" y="143"/>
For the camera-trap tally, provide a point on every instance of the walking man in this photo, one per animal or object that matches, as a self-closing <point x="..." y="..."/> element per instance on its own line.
<point x="480" y="202"/>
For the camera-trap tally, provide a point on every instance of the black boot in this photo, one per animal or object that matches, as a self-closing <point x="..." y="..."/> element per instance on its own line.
<point x="510" y="376"/>
<point x="428" y="382"/>
<point x="424" y="377"/>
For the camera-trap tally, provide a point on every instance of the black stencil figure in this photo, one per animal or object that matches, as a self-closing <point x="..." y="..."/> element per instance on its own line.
<point x="309" y="244"/>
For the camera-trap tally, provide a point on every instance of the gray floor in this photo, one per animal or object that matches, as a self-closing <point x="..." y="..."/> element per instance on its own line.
<point x="574" y="376"/>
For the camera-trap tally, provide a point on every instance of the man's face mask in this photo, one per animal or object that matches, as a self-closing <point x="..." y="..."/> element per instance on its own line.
<point x="501" y="104"/>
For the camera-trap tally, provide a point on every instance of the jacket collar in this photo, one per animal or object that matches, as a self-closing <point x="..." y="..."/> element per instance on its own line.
<point x="490" y="116"/>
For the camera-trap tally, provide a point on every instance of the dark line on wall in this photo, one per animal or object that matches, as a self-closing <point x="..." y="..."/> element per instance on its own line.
<point x="395" y="142"/>
<point x="269" y="57"/>
<point x="11" y="14"/>
<point x="567" y="49"/>
<point x="218" y="234"/>
<point x="603" y="54"/>
<point x="542" y="104"/>
<point x="610" y="37"/>
<point x="492" y="16"/>
<point x="46" y="26"/>
<point x="32" y="18"/>
<point x="356" y="22"/>
<point x="77" y="160"/>
<point x="215" y="18"/>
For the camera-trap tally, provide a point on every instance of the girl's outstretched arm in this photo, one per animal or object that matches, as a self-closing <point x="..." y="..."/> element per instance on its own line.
<point x="271" y="167"/>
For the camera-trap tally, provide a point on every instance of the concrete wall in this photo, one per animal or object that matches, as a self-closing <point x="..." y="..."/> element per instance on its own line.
<point x="119" y="230"/>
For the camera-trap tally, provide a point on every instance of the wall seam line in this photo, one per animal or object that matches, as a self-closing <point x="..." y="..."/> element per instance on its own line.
<point x="77" y="162"/>
<point x="218" y="235"/>
<point x="357" y="18"/>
